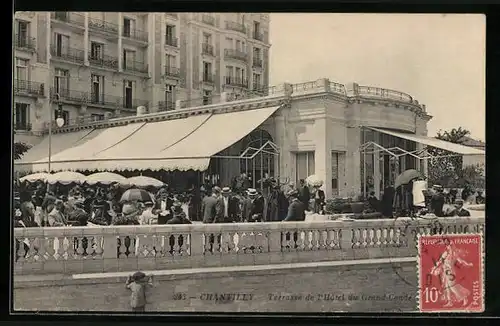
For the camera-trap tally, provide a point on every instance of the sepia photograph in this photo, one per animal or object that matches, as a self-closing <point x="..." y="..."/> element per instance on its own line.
<point x="246" y="162"/>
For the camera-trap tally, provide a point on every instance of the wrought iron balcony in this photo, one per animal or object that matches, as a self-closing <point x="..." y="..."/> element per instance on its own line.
<point x="208" y="78"/>
<point x="207" y="19"/>
<point x="115" y="101"/>
<point x="135" y="66"/>
<point x="235" y="54"/>
<point x="166" y="106"/>
<point x="68" y="95"/>
<point x="104" y="61"/>
<point x="257" y="62"/>
<point x="171" y="41"/>
<point x="233" y="26"/>
<point x="68" y="54"/>
<point x="69" y="17"/>
<point x="258" y="36"/>
<point x="236" y="81"/>
<point x="23" y="42"/>
<point x="103" y="26"/>
<point x="172" y="72"/>
<point x="258" y="88"/>
<point x="135" y="34"/>
<point x="207" y="49"/>
<point x="29" y="87"/>
<point x="22" y="126"/>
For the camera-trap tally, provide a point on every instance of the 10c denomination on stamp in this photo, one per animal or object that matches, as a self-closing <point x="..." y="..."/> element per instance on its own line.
<point x="450" y="272"/>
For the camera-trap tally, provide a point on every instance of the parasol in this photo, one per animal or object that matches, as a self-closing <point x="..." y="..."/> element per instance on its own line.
<point x="314" y="181"/>
<point x="105" y="178"/>
<point x="136" y="195"/>
<point x="66" y="177"/>
<point x="144" y="182"/>
<point x="407" y="176"/>
<point x="35" y="177"/>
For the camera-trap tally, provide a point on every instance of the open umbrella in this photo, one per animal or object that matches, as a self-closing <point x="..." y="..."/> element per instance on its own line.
<point x="105" y="178"/>
<point x="66" y="178"/>
<point x="314" y="181"/>
<point x="143" y="182"/>
<point x="136" y="195"/>
<point x="35" y="177"/>
<point x="407" y="176"/>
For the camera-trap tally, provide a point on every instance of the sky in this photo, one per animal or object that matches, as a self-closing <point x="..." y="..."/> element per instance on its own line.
<point x="439" y="59"/>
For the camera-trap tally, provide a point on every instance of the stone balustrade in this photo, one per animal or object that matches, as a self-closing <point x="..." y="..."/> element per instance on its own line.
<point x="69" y="250"/>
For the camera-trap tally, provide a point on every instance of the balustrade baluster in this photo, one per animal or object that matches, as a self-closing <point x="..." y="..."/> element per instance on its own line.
<point x="65" y="245"/>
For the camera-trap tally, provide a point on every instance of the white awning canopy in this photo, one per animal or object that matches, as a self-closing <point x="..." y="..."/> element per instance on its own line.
<point x="433" y="142"/>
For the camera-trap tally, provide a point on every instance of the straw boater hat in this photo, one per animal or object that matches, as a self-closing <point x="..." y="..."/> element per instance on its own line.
<point x="148" y="204"/>
<point x="216" y="190"/>
<point x="459" y="201"/>
<point x="226" y="190"/>
<point x="252" y="192"/>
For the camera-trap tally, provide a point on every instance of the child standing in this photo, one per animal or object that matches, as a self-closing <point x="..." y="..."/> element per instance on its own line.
<point x="137" y="283"/>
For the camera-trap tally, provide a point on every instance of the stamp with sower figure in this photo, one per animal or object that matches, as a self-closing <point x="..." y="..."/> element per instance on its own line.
<point x="450" y="273"/>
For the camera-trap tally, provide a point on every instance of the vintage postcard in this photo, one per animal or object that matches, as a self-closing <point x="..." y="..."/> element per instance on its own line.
<point x="248" y="162"/>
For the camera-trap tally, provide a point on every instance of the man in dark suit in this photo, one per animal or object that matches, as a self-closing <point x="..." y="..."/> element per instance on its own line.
<point x="163" y="206"/>
<point x="319" y="200"/>
<point x="253" y="207"/>
<point x="437" y="201"/>
<point x="211" y="207"/>
<point x="296" y="210"/>
<point x="304" y="194"/>
<point x="459" y="209"/>
<point x="230" y="206"/>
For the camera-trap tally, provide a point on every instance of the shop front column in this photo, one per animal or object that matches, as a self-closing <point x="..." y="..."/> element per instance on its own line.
<point x="376" y="167"/>
<point x="283" y="162"/>
<point x="323" y="155"/>
<point x="353" y="162"/>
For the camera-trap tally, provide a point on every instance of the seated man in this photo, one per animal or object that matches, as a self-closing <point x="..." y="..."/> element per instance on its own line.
<point x="459" y="209"/>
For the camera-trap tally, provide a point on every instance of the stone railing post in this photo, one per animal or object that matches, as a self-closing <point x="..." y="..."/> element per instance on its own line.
<point x="325" y="83"/>
<point x="223" y="97"/>
<point x="178" y="104"/>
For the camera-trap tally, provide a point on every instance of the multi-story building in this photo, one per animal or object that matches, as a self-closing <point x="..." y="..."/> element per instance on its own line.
<point x="107" y="63"/>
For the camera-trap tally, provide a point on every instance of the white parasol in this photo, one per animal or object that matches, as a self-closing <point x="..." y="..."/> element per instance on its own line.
<point x="314" y="181"/>
<point x="105" y="178"/>
<point x="35" y="177"/>
<point x="143" y="182"/>
<point x="66" y="177"/>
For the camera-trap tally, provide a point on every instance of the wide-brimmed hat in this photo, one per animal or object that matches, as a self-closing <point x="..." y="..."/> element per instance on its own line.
<point x="437" y="187"/>
<point x="149" y="203"/>
<point x="252" y="192"/>
<point x="293" y="193"/>
<point x="226" y="190"/>
<point x="216" y="190"/>
<point x="138" y="276"/>
<point x="459" y="201"/>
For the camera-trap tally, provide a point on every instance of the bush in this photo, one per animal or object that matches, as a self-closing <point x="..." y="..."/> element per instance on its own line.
<point x="337" y="206"/>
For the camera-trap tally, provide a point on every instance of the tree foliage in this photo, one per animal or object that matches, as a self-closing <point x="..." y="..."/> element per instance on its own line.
<point x="449" y="171"/>
<point x="19" y="149"/>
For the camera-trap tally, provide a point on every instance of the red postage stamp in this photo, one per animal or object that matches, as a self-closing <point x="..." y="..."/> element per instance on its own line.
<point x="450" y="271"/>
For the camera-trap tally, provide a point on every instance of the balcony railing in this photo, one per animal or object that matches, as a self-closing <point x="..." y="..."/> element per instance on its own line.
<point x="28" y="87"/>
<point x="236" y="81"/>
<point x="258" y="36"/>
<point x="166" y="106"/>
<point x="259" y="88"/>
<point x="24" y="42"/>
<point x="135" y="66"/>
<point x="69" y="17"/>
<point x="22" y="126"/>
<point x="257" y="62"/>
<point x="104" y="61"/>
<point x="68" y="95"/>
<point x="233" y="26"/>
<point x="115" y="101"/>
<point x="135" y="34"/>
<point x="208" y="78"/>
<point x="172" y="72"/>
<point x="173" y="15"/>
<point x="68" y="54"/>
<point x="384" y="93"/>
<point x="207" y="19"/>
<point x="103" y="26"/>
<point x="207" y="49"/>
<point x="172" y="41"/>
<point x="235" y="54"/>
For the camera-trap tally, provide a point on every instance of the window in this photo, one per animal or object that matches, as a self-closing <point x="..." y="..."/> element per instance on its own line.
<point x="22" y="116"/>
<point x="207" y="38"/>
<point x="128" y="94"/>
<point x="170" y="96"/>
<point x="207" y="72"/>
<point x="170" y="35"/>
<point x="97" y="90"/>
<point x="61" y="15"/>
<point x="22" y="31"/>
<point x="170" y="61"/>
<point x="127" y="27"/>
<point x="256" y="53"/>
<point x="229" y="71"/>
<point x="304" y="162"/>
<point x="96" y="117"/>
<point x="237" y="72"/>
<point x="62" y="44"/>
<point x="257" y="83"/>
<point x="128" y="59"/>
<point x="256" y="29"/>
<point x="238" y="46"/>
<point x="335" y="173"/>
<point x="21" y="72"/>
<point x="207" y="97"/>
<point x="96" y="51"/>
<point x="61" y="81"/>
<point x="229" y="43"/>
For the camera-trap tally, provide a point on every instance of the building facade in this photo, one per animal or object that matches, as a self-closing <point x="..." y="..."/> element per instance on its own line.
<point x="105" y="64"/>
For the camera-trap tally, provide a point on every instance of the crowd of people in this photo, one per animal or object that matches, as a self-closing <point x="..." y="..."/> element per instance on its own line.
<point x="42" y="205"/>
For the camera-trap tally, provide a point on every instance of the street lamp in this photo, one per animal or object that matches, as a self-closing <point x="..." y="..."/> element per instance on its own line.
<point x="59" y="123"/>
